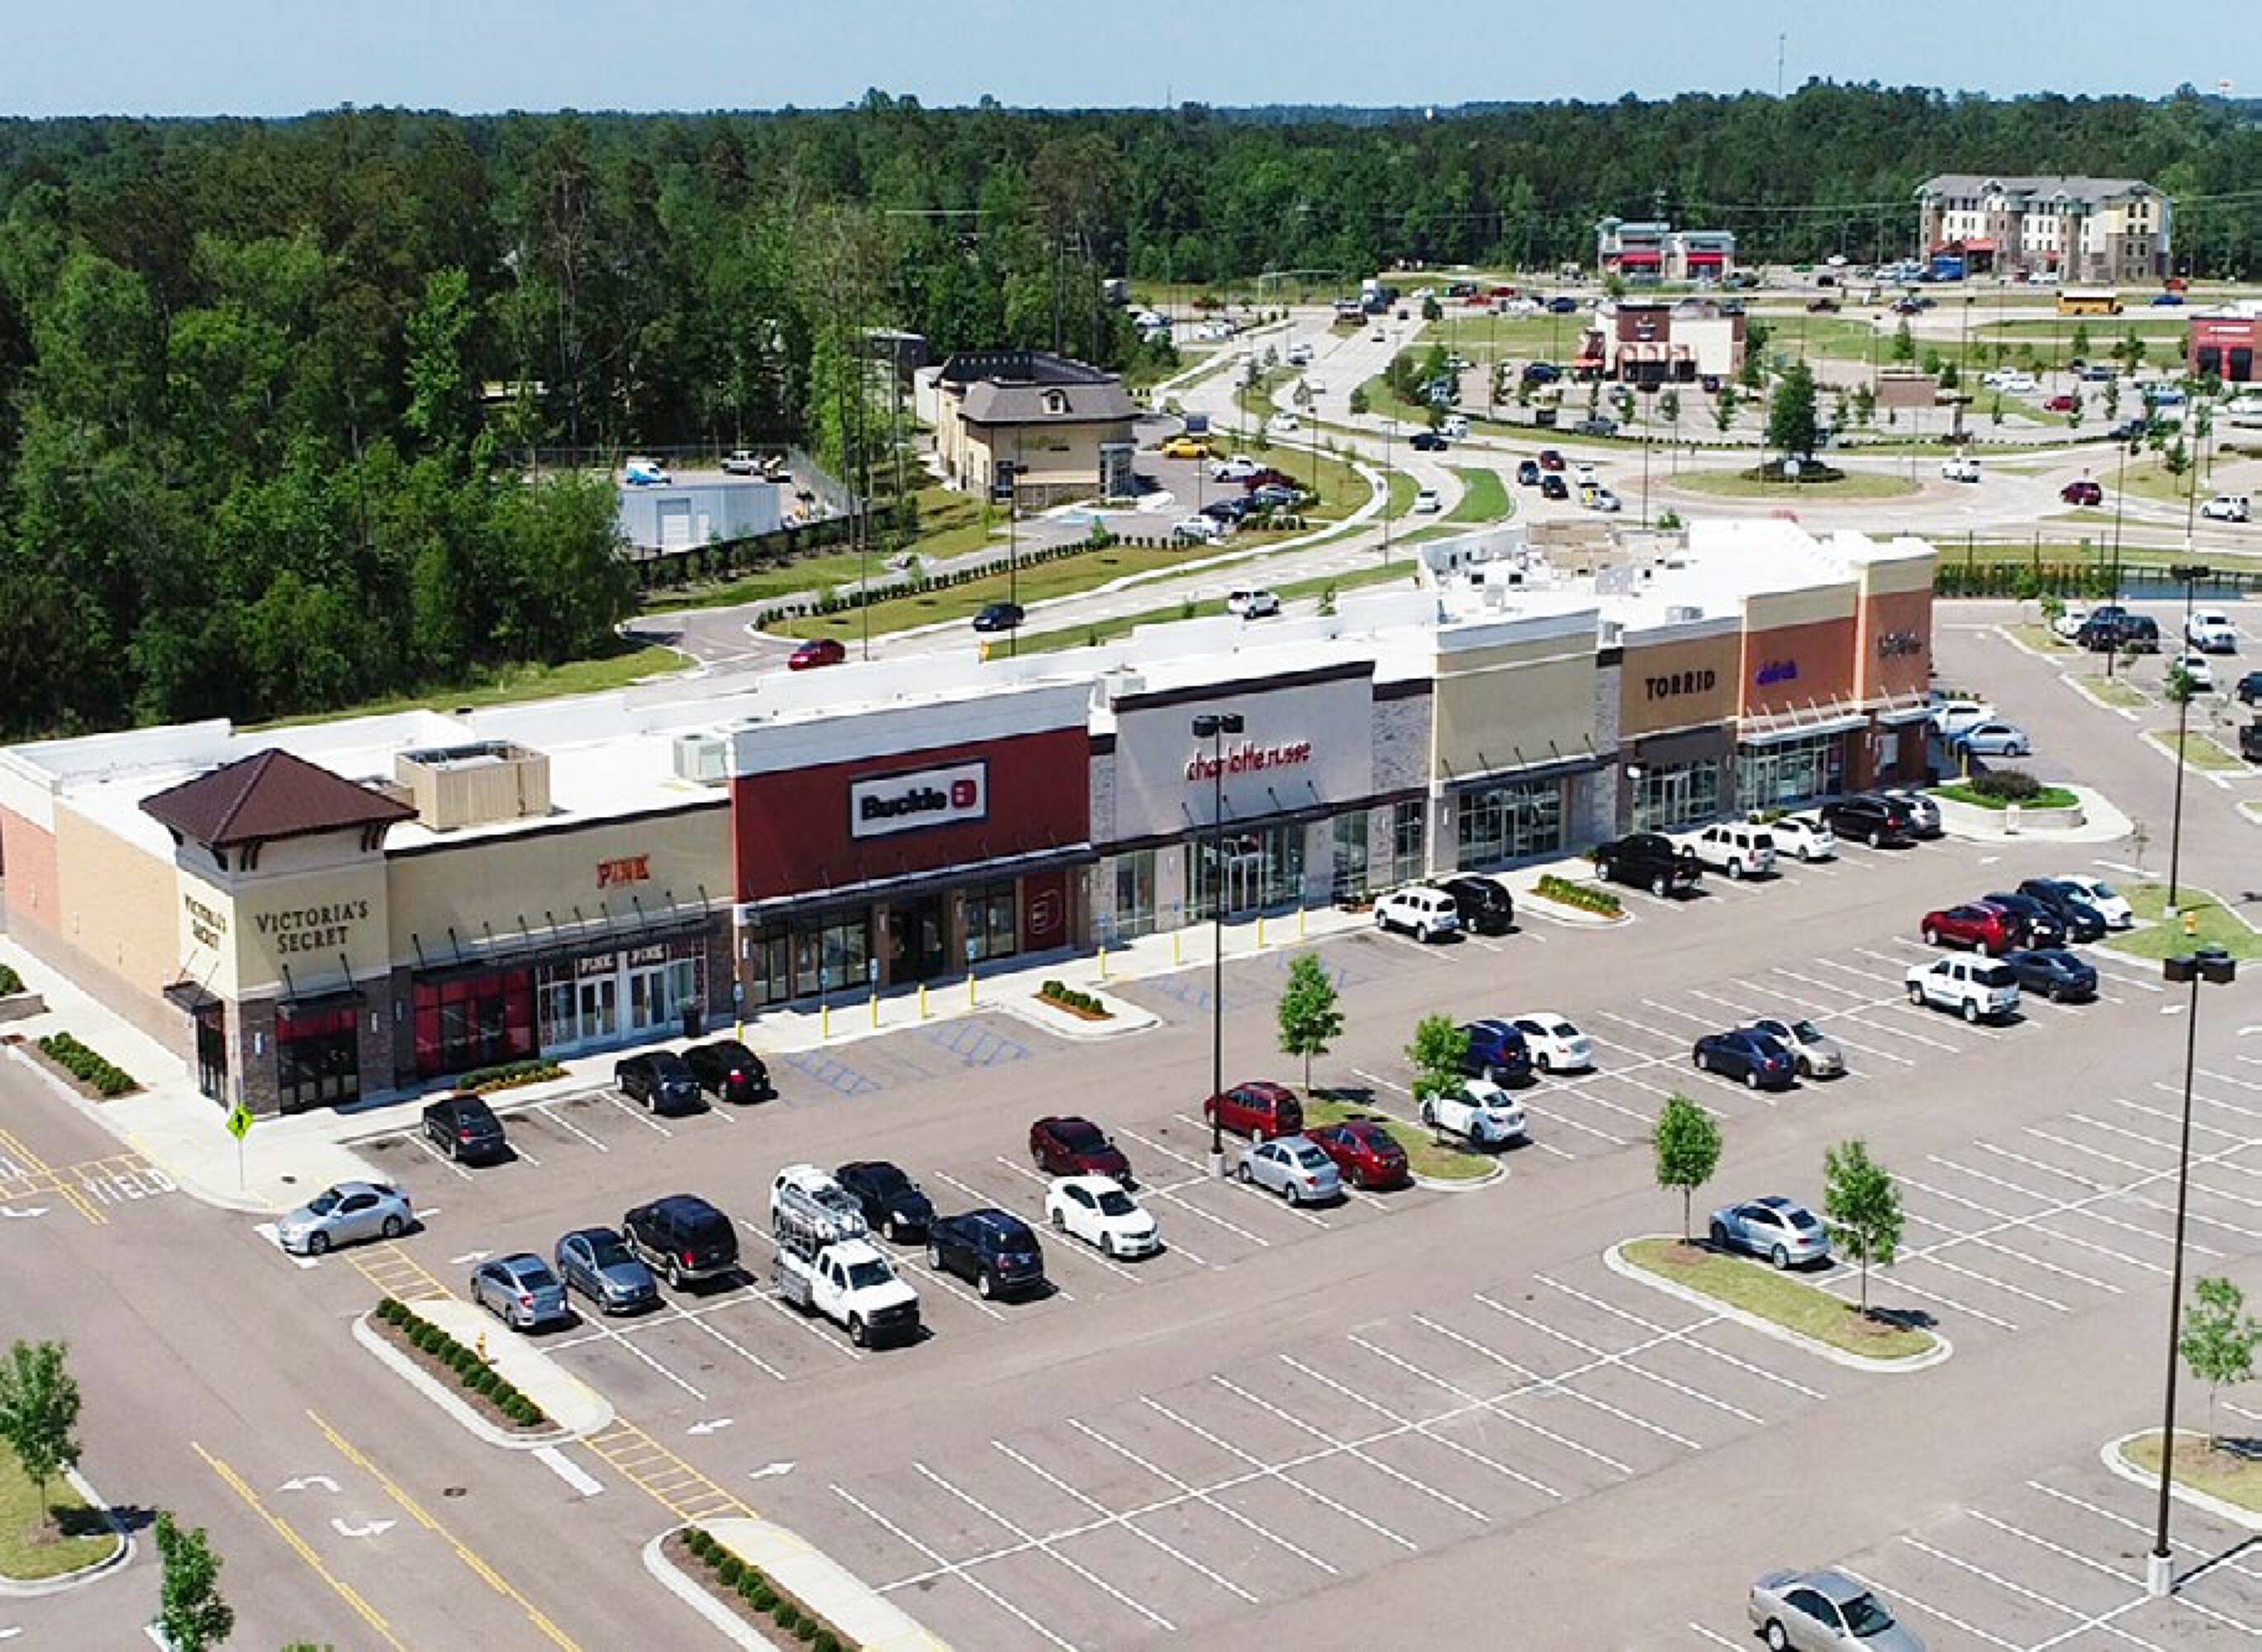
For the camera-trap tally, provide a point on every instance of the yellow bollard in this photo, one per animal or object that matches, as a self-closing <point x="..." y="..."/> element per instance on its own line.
<point x="1260" y="931"/>
<point x="825" y="1021"/>
<point x="482" y="1349"/>
<point x="1103" y="963"/>
<point x="969" y="990"/>
<point x="922" y="1001"/>
<point x="2191" y="920"/>
<point x="875" y="1012"/>
<point x="1174" y="948"/>
<point x="1300" y="923"/>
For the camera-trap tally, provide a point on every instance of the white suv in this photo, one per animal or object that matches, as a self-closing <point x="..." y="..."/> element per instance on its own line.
<point x="1252" y="605"/>
<point x="1421" y="912"/>
<point x="2211" y="632"/>
<point x="2225" y="507"/>
<point x="1973" y="987"/>
<point x="1740" y="851"/>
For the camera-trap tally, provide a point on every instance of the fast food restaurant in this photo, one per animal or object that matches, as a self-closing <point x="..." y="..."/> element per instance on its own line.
<point x="313" y="915"/>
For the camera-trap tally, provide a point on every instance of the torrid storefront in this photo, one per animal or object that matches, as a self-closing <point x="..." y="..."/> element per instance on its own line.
<point x="910" y="843"/>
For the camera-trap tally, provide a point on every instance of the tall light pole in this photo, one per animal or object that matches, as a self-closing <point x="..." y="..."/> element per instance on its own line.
<point x="1388" y="423"/>
<point x="2190" y="573"/>
<point x="1213" y="726"/>
<point x="2218" y="967"/>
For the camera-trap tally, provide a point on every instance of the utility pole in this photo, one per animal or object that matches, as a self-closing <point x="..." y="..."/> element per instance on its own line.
<point x="1779" y="40"/>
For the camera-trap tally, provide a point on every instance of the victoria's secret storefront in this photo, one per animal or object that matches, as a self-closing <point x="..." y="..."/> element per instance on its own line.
<point x="916" y="858"/>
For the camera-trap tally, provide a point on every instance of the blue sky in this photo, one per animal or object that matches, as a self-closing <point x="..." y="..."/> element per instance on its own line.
<point x="273" y="57"/>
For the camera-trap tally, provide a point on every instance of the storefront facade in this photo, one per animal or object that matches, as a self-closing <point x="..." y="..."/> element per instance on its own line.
<point x="1677" y="708"/>
<point x="1800" y="715"/>
<point x="1514" y="762"/>
<point x="908" y="844"/>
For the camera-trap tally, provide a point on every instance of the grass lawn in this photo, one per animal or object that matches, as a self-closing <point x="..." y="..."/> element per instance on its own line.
<point x="2232" y="1473"/>
<point x="1061" y="578"/>
<point x="1784" y="1298"/>
<point x="2041" y="637"/>
<point x="1855" y="485"/>
<point x="30" y="1550"/>
<point x="1423" y="1155"/>
<point x="2116" y="691"/>
<point x="951" y="523"/>
<point x="1195" y="608"/>
<point x="507" y="684"/>
<point x="2048" y="797"/>
<point x="1484" y="497"/>
<point x="2155" y="938"/>
<point x="2203" y="751"/>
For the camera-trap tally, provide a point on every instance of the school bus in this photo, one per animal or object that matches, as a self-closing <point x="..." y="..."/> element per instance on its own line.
<point x="2088" y="301"/>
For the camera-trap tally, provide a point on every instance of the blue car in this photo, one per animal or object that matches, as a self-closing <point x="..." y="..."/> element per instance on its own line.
<point x="1498" y="1051"/>
<point x="1759" y="1061"/>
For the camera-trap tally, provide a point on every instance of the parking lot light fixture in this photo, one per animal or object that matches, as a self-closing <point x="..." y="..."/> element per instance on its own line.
<point x="1213" y="726"/>
<point x="2211" y="967"/>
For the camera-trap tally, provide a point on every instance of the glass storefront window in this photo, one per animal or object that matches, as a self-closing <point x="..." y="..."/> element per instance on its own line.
<point x="1779" y="776"/>
<point x="474" y="1021"/>
<point x="992" y="923"/>
<point x="1406" y="859"/>
<point x="1676" y="794"/>
<point x="1510" y="822"/>
<point x="317" y="1058"/>
<point x="1263" y="868"/>
<point x="1135" y="895"/>
<point x="1350" y="855"/>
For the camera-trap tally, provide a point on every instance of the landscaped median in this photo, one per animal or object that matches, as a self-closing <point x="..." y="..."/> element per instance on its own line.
<point x="762" y="1586"/>
<point x="495" y="1382"/>
<point x="87" y="1069"/>
<point x="1576" y="902"/>
<point x="1778" y="1304"/>
<point x="2202" y="751"/>
<point x="50" y="1547"/>
<point x="1429" y="1159"/>
<point x="2157" y="936"/>
<point x="2223" y="1478"/>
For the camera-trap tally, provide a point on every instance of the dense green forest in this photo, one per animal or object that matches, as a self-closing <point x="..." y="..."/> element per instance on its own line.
<point x="247" y="467"/>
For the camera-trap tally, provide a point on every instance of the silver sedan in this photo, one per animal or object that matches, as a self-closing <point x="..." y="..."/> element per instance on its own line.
<point x="1782" y="1230"/>
<point x="1825" y="1611"/>
<point x="344" y="1215"/>
<point x="1292" y="1168"/>
<point x="519" y="1290"/>
<point x="1818" y="1053"/>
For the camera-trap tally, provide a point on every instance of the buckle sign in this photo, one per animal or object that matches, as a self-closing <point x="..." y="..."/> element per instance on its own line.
<point x="888" y="804"/>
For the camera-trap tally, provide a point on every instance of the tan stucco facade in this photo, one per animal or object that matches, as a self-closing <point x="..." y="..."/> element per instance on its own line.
<point x="116" y="901"/>
<point x="1679" y="682"/>
<point x="1513" y="704"/>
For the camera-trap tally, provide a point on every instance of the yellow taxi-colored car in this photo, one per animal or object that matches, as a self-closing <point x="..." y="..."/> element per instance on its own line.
<point x="1184" y="448"/>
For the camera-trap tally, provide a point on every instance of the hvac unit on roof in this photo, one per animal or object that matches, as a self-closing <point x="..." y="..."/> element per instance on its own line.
<point x="1682" y="614"/>
<point x="702" y="758"/>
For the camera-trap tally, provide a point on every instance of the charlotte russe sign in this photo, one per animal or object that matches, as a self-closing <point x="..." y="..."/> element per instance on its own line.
<point x="1248" y="758"/>
<point x="886" y="804"/>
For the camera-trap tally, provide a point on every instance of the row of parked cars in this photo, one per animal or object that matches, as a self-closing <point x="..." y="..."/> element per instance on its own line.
<point x="2022" y="939"/>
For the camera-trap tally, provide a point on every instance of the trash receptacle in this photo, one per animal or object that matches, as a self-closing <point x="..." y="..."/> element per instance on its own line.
<point x="694" y="1022"/>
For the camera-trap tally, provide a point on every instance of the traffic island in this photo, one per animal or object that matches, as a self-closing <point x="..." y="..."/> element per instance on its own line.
<point x="1072" y="1012"/>
<point x="2160" y="934"/>
<point x="1779" y="1305"/>
<point x="488" y="1378"/>
<point x="1569" y="901"/>
<point x="47" y="1546"/>
<point x="1443" y="1166"/>
<point x="762" y="1586"/>
<point x="2222" y="1475"/>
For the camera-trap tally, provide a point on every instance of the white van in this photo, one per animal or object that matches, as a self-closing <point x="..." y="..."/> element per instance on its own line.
<point x="1423" y="912"/>
<point x="1456" y="425"/>
<point x="1740" y="850"/>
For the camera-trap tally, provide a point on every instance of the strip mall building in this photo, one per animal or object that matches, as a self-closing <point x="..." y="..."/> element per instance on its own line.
<point x="313" y="915"/>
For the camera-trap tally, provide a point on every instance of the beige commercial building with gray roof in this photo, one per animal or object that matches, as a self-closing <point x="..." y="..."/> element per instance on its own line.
<point x="1039" y="429"/>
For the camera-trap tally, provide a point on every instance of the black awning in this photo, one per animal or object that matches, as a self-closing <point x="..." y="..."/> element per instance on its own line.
<point x="915" y="883"/>
<point x="1585" y="763"/>
<point x="193" y="996"/>
<point x="313" y="1003"/>
<point x="534" y="947"/>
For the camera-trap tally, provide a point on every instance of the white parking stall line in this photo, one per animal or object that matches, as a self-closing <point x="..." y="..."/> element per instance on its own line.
<point x="1309" y="1217"/>
<point x="1623" y="1363"/>
<point x="2083" y="1620"/>
<point x="641" y="1117"/>
<point x="1836" y="1014"/>
<point x="943" y="1568"/>
<point x="2199" y="1125"/>
<point x="1721" y="1355"/>
<point x="2090" y="1150"/>
<point x="1869" y="1007"/>
<point x="2231" y="1079"/>
<point x="1140" y="1533"/>
<point x="1558" y="1384"/>
<point x="1399" y="1424"/>
<point x="1352" y="1196"/>
<point x="1845" y="1281"/>
<point x="2120" y="973"/>
<point x="732" y="1343"/>
<point x="1870" y="979"/>
<point x="1999" y="1248"/>
<point x="1184" y="1204"/>
<point x="2087" y="1561"/>
<point x="1745" y="1013"/>
<point x="792" y="1315"/>
<point x="1928" y="1609"/>
<point x="1379" y="1082"/>
<point x="416" y="1139"/>
<point x="2217" y="1102"/>
<point x="1281" y="1472"/>
<point x="601" y="1332"/>
<point x="1493" y="1406"/>
<point x="2225" y="1561"/>
<point x="1716" y="1638"/>
<point x="944" y="1282"/>
<point x="547" y="1111"/>
<point x="1426" y="1429"/>
<point x="2070" y="1239"/>
<point x="1045" y="1548"/>
<point x="1190" y="1493"/>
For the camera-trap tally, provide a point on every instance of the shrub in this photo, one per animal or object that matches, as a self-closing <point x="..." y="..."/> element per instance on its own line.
<point x="486" y="1382"/>
<point x="788" y="1617"/>
<point x="86" y="1066"/>
<point x="1061" y="993"/>
<point x="730" y="1569"/>
<point x="2012" y="786"/>
<point x="10" y="981"/>
<point x="698" y="1540"/>
<point x="390" y="1311"/>
<point x="807" y="1629"/>
<point x="761" y="1597"/>
<point x="826" y="1641"/>
<point x="496" y="1078"/>
<point x="1585" y="896"/>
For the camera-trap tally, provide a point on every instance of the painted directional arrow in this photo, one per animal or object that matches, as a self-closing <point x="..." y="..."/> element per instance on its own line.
<point x="770" y="1469"/>
<point x="374" y="1528"/>
<point x="305" y="1480"/>
<point x="468" y="1257"/>
<point x="714" y="1428"/>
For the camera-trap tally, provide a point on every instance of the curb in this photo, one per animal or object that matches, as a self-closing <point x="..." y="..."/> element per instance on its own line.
<point x="1466" y="1184"/>
<point x="424" y="1382"/>
<point x="10" y="1588"/>
<point x="1572" y="917"/>
<point x="2109" y="1454"/>
<point x="671" y="1577"/>
<point x="1123" y="1019"/>
<point x="1615" y="1261"/>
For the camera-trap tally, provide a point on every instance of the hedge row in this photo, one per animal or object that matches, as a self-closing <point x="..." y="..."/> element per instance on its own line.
<point x="85" y="1065"/>
<point x="1584" y="895"/>
<point x="2025" y="580"/>
<point x="10" y="981"/>
<point x="764" y="1594"/>
<point x="474" y="1372"/>
<point x="500" y="1078"/>
<point x="1061" y="993"/>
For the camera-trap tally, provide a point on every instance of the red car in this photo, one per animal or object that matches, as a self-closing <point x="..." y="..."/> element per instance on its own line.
<point x="1257" y="1109"/>
<point x="2060" y="403"/>
<point x="2083" y="492"/>
<point x="1988" y="928"/>
<point x="1269" y="476"/>
<point x="819" y="650"/>
<point x="1364" y="1153"/>
<point x="1550" y="460"/>
<point x="1076" y="1147"/>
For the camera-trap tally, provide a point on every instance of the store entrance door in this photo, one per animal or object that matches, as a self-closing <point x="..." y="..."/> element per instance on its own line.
<point x="919" y="932"/>
<point x="212" y="1051"/>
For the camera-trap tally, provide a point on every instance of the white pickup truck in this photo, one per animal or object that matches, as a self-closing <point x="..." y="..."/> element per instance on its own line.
<point x="1478" y="1112"/>
<point x="827" y="1264"/>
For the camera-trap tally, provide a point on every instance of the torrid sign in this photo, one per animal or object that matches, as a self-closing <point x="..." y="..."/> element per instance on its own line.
<point x="888" y="804"/>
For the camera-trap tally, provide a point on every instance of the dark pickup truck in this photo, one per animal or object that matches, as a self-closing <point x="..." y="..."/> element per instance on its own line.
<point x="1651" y="861"/>
<point x="2249" y="743"/>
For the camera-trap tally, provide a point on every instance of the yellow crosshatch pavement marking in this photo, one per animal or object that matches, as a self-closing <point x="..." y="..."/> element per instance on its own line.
<point x="396" y="1273"/>
<point x="671" y="1483"/>
<point x="36" y="1176"/>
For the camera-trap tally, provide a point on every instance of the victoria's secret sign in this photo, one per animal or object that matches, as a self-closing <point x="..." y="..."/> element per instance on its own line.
<point x="311" y="928"/>
<point x="1248" y="758"/>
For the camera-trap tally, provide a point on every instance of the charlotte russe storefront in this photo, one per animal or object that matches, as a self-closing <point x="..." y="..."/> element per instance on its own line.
<point x="908" y="842"/>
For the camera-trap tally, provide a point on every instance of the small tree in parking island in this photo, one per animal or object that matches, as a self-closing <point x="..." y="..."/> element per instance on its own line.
<point x="38" y="1413"/>
<point x="1688" y="1142"/>
<point x="1863" y="1203"/>
<point x="2218" y="1340"/>
<point x="1311" y="1011"/>
<point x="190" y="1611"/>
<point x="1437" y="1051"/>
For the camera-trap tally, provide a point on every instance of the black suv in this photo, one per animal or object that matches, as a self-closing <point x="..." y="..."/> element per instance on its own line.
<point x="995" y="1250"/>
<point x="1428" y="441"/>
<point x="2249" y="688"/>
<point x="682" y="1238"/>
<point x="2249" y="743"/>
<point x="466" y="1127"/>
<point x="1873" y="820"/>
<point x="1484" y="903"/>
<point x="1649" y="860"/>
<point x="2043" y="927"/>
<point x="891" y="1202"/>
<point x="2082" y="921"/>
<point x="2108" y="629"/>
<point x="728" y="1071"/>
<point x="659" y="1079"/>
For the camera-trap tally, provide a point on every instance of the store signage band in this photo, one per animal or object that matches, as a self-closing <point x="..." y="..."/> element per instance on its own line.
<point x="1672" y="685"/>
<point x="1778" y="671"/>
<point x="311" y="928"/>
<point x="208" y="925"/>
<point x="1248" y="758"/>
<point x="888" y="804"/>
<point x="627" y="869"/>
<point x="1899" y="645"/>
